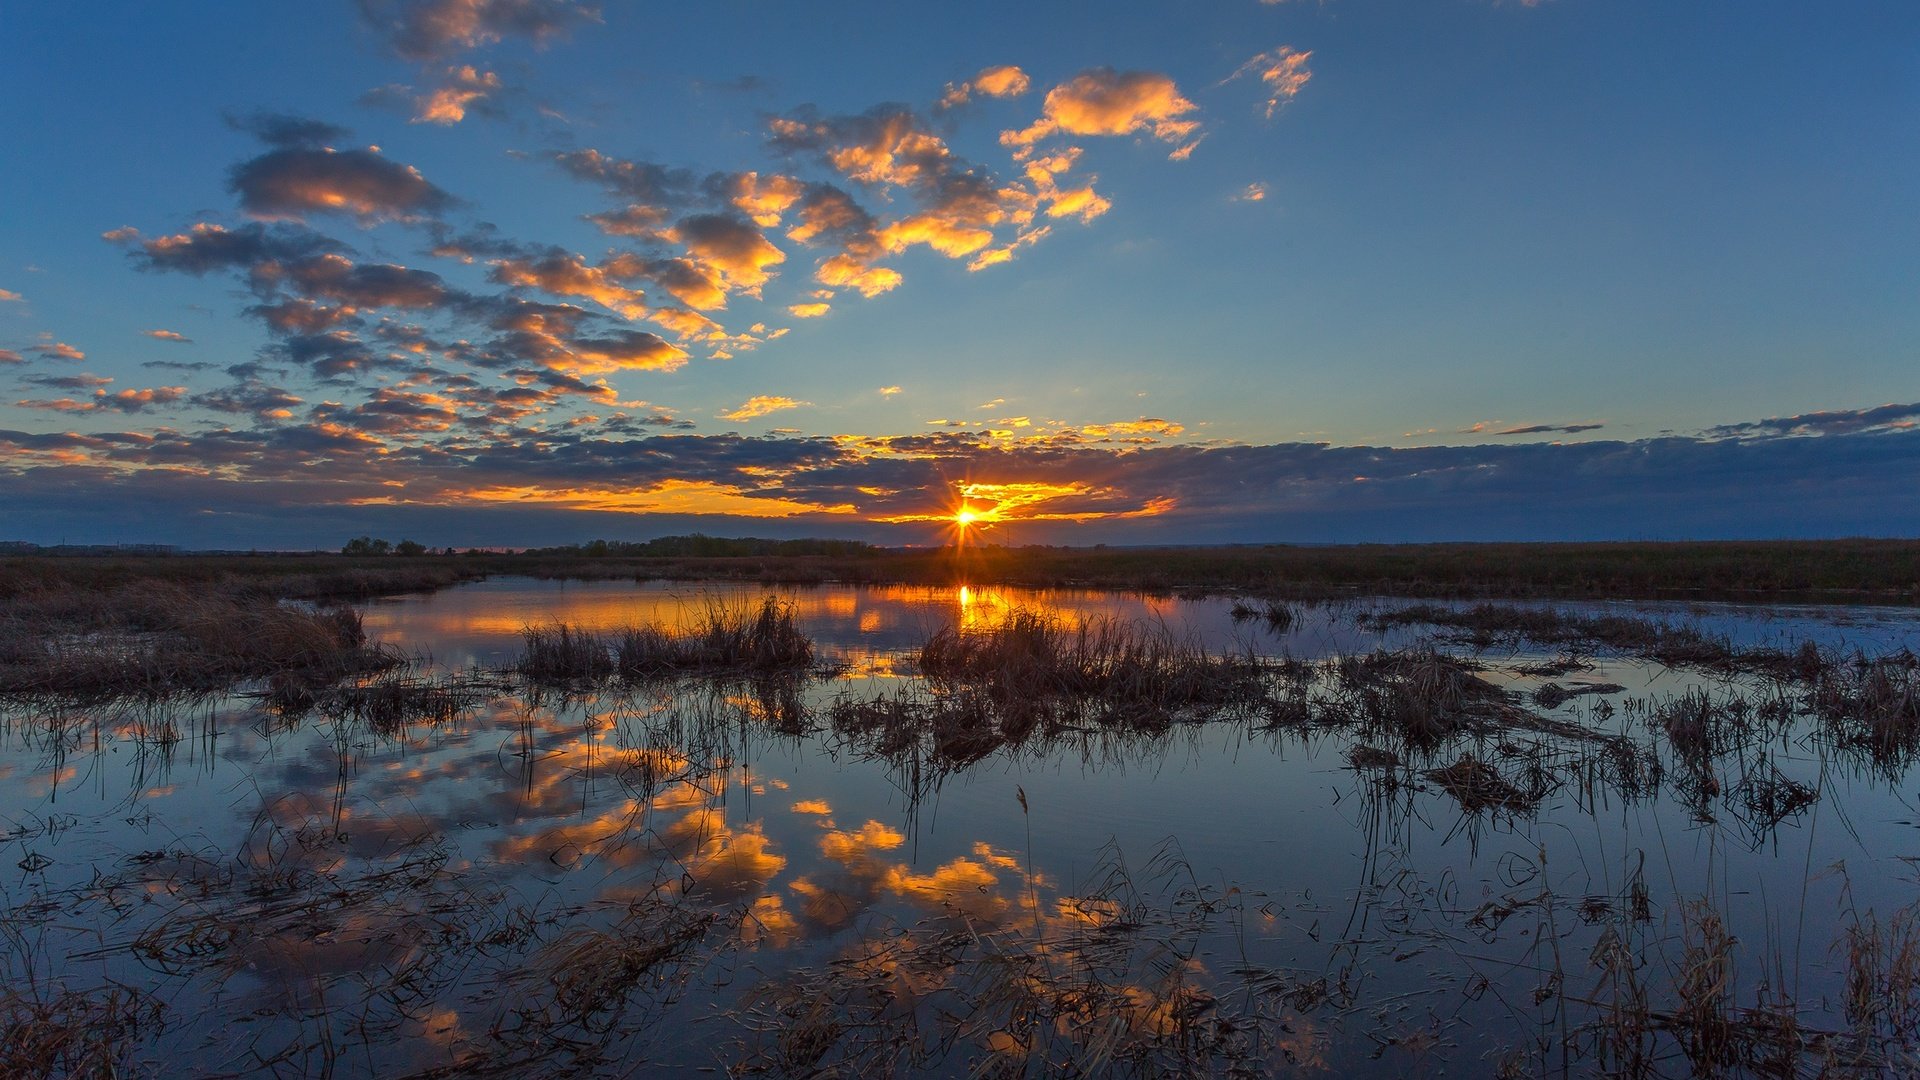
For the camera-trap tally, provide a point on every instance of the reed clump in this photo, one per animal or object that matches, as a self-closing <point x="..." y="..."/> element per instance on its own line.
<point x="395" y="700"/>
<point x="1872" y="704"/>
<point x="1123" y="672"/>
<point x="559" y="652"/>
<point x="1419" y="697"/>
<point x="1479" y="786"/>
<point x="954" y="729"/>
<point x="765" y="637"/>
<point x="762" y="638"/>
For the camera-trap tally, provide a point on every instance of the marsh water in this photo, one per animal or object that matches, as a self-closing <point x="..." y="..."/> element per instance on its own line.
<point x="704" y="874"/>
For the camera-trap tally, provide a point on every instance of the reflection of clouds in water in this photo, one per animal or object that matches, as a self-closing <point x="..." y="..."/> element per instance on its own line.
<point x="864" y="874"/>
<point x="723" y="862"/>
<point x="46" y="784"/>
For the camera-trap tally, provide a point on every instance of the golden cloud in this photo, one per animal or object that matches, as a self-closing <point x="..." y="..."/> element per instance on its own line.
<point x="1282" y="71"/>
<point x="448" y="103"/>
<point x="1108" y="102"/>
<point x="760" y="405"/>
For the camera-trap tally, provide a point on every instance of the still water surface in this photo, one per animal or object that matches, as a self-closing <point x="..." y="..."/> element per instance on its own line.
<point x="302" y="894"/>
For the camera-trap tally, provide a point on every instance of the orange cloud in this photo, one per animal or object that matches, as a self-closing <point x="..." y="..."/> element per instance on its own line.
<point x="666" y="497"/>
<point x="760" y="405"/>
<point x="1283" y="72"/>
<point x="168" y="335"/>
<point x="1107" y="102"/>
<point x="845" y="271"/>
<point x="1143" y="426"/>
<point x="1002" y="81"/>
<point x="627" y="350"/>
<point x="448" y="103"/>
<point x="765" y="199"/>
<point x="569" y="275"/>
<point x="738" y="253"/>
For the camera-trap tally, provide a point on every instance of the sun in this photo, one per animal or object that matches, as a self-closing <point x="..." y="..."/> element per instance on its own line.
<point x="965" y="517"/>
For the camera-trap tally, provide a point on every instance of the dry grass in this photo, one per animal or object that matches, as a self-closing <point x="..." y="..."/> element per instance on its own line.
<point x="82" y="1036"/>
<point x="1489" y="625"/>
<point x="163" y="639"/>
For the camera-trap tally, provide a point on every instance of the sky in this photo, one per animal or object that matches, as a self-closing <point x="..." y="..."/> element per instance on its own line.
<point x="512" y="272"/>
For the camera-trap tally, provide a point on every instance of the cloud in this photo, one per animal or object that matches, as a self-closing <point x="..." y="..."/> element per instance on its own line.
<point x="1102" y="101"/>
<point x="265" y="402"/>
<point x="760" y="405"/>
<point x="11" y="356"/>
<point x="58" y="350"/>
<point x="366" y="285"/>
<point x="282" y="130"/>
<point x="566" y="274"/>
<point x="887" y="144"/>
<point x="125" y="401"/>
<point x="1282" y="73"/>
<point x="1538" y="429"/>
<point x="624" y="350"/>
<point x="168" y="335"/>
<point x="1879" y="419"/>
<point x="70" y="382"/>
<point x="808" y="311"/>
<point x="645" y="182"/>
<point x="208" y="247"/>
<point x="1146" y="425"/>
<point x="292" y="183"/>
<point x="389" y="458"/>
<point x="889" y="391"/>
<point x="763" y="198"/>
<point x="426" y="29"/>
<point x="461" y="88"/>
<point x="1254" y="192"/>
<point x="8" y="296"/>
<point x="732" y="246"/>
<point x="1003" y="81"/>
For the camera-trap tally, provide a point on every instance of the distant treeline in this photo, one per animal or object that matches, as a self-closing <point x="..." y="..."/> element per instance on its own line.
<point x="701" y="546"/>
<point x="22" y="547"/>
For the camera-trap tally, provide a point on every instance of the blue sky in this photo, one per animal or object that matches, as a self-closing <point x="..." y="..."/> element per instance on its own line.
<point x="1137" y="272"/>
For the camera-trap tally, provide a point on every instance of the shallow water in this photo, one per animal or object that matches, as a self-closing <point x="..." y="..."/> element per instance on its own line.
<point x="306" y="892"/>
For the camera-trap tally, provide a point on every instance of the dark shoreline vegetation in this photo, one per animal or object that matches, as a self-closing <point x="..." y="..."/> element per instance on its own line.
<point x="1852" y="571"/>
<point x="1097" y="975"/>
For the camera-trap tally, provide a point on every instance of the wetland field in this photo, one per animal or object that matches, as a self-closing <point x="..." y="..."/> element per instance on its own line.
<point x="522" y="826"/>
